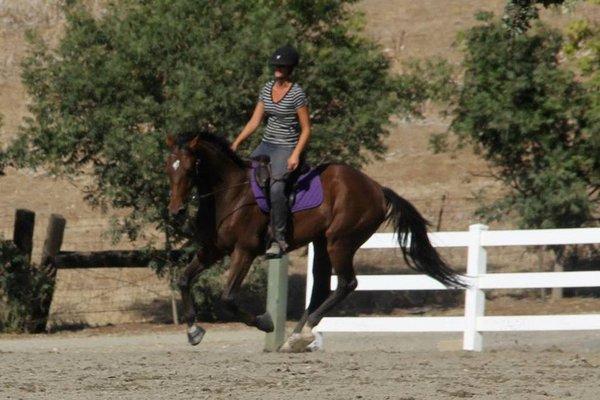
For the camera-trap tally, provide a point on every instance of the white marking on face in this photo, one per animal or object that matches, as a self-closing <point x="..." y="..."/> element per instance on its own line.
<point x="176" y="165"/>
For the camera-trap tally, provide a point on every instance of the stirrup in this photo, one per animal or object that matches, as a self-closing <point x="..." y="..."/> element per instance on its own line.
<point x="275" y="250"/>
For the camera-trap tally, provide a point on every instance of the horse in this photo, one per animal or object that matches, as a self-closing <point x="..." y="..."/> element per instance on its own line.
<point x="229" y="222"/>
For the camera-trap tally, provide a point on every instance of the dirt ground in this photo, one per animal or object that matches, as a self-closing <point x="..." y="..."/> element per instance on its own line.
<point x="155" y="362"/>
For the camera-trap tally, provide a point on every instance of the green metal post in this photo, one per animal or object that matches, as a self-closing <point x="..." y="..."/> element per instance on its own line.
<point x="277" y="301"/>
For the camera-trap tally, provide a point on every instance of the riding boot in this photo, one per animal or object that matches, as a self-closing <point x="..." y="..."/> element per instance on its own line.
<point x="279" y="216"/>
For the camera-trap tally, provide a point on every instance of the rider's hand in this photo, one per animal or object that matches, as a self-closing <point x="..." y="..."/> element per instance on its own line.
<point x="234" y="146"/>
<point x="293" y="162"/>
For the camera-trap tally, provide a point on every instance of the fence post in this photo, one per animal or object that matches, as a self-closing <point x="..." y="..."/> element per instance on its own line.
<point x="277" y="290"/>
<point x="557" y="292"/>
<point x="52" y="244"/>
<point x="474" y="297"/>
<point x="309" y="275"/>
<point x="318" y="343"/>
<point x="54" y="239"/>
<point x="23" y="231"/>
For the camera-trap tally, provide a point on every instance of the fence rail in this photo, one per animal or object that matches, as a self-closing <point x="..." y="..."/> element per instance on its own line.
<point x="474" y="322"/>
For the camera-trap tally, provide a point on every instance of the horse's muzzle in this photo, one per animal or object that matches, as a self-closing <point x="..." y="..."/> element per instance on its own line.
<point x="179" y="215"/>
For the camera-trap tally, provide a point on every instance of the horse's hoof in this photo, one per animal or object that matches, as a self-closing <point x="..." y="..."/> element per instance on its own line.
<point x="301" y="345"/>
<point x="295" y="344"/>
<point x="285" y="348"/>
<point x="264" y="322"/>
<point x="195" y="335"/>
<point x="298" y="342"/>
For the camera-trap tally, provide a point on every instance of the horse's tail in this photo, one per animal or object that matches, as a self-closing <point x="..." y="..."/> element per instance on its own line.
<point x="419" y="254"/>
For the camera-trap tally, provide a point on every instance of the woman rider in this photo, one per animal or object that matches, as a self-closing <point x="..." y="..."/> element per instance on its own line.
<point x="285" y="137"/>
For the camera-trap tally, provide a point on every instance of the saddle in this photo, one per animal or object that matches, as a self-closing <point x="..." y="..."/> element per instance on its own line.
<point x="303" y="185"/>
<point x="263" y="177"/>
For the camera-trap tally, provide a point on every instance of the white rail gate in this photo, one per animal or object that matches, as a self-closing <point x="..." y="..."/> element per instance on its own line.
<point x="474" y="321"/>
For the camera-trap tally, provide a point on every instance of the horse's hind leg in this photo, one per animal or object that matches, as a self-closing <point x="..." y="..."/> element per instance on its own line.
<point x="340" y="255"/>
<point x="241" y="260"/>
<point x="320" y="290"/>
<point x="321" y="282"/>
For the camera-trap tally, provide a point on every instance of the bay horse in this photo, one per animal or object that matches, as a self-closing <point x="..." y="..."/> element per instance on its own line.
<point x="229" y="222"/>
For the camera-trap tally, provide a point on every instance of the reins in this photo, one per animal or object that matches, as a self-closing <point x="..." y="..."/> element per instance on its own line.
<point x="212" y="193"/>
<point x="205" y="195"/>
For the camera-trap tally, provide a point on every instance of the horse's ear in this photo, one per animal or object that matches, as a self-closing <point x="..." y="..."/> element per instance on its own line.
<point x="170" y="141"/>
<point x="194" y="143"/>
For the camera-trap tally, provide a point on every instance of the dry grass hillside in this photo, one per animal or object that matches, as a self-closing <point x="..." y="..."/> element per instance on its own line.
<point x="406" y="28"/>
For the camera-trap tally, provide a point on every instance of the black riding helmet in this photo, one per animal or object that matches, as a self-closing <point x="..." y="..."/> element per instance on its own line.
<point x="285" y="56"/>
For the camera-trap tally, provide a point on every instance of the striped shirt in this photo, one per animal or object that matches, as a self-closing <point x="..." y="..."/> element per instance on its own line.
<point x="283" y="127"/>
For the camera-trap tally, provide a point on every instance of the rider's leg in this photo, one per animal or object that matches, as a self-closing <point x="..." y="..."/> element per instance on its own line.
<point x="260" y="150"/>
<point x="279" y="212"/>
<point x="279" y="208"/>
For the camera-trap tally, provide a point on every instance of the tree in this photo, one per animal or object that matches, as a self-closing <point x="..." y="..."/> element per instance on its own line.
<point x="105" y="98"/>
<point x="531" y="119"/>
<point x="582" y="46"/>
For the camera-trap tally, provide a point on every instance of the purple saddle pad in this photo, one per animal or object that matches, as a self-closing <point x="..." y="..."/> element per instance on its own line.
<point x="308" y="188"/>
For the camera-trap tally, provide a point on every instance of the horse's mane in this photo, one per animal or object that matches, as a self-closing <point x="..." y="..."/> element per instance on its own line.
<point x="219" y="142"/>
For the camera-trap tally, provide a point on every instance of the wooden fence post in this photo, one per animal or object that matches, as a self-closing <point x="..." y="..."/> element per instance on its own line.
<point x="54" y="239"/>
<point x="23" y="231"/>
<point x="277" y="301"/>
<point x="52" y="243"/>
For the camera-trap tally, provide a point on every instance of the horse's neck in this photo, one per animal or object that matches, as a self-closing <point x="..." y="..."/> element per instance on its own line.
<point x="224" y="172"/>
<point x="229" y="182"/>
<point x="219" y="167"/>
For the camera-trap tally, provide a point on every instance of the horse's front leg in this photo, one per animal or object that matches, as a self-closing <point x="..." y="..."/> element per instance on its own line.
<point x="241" y="260"/>
<point x="201" y="261"/>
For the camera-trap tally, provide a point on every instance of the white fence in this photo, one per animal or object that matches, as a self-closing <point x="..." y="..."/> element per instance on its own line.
<point x="474" y="322"/>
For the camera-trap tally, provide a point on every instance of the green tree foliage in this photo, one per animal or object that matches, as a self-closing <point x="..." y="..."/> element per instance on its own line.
<point x="583" y="46"/>
<point x="518" y="14"/>
<point x="24" y="292"/>
<point x="531" y="119"/>
<point x="105" y="98"/>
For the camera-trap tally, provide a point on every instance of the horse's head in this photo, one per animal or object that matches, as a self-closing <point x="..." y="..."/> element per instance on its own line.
<point x="205" y="159"/>
<point x="181" y="166"/>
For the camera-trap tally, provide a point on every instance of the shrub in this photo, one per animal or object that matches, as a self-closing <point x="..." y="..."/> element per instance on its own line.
<point x="25" y="291"/>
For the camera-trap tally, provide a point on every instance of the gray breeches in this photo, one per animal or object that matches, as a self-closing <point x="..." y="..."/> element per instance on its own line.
<point x="279" y="156"/>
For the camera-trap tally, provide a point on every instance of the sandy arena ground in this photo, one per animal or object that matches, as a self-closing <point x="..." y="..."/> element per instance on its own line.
<point x="156" y="363"/>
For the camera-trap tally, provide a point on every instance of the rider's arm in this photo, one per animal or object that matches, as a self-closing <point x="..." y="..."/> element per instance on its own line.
<point x="304" y="119"/>
<point x="251" y="126"/>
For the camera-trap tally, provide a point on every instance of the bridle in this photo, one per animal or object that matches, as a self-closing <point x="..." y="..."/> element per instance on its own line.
<point x="196" y="174"/>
